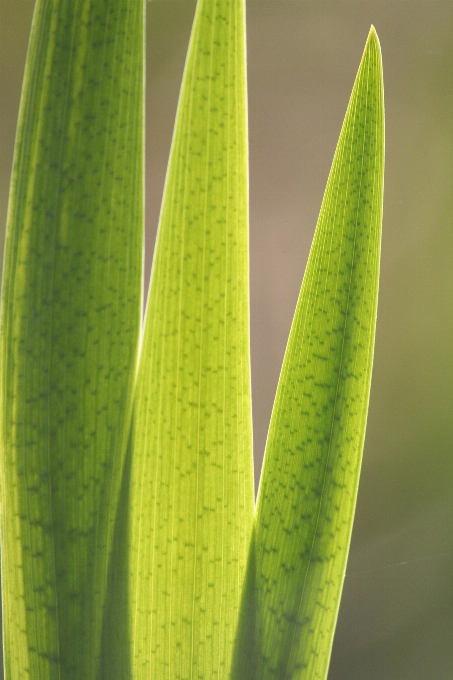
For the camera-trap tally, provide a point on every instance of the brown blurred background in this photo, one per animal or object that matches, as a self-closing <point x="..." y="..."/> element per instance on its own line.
<point x="396" y="618"/>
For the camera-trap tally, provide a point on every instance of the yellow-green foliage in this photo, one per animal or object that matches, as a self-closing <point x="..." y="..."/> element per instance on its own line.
<point x="130" y="547"/>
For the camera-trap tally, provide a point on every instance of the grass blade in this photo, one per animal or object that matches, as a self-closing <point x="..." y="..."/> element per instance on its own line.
<point x="308" y="490"/>
<point x="192" y="489"/>
<point x="70" y="327"/>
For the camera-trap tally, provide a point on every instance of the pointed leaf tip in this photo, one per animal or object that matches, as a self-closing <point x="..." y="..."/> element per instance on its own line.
<point x="373" y="39"/>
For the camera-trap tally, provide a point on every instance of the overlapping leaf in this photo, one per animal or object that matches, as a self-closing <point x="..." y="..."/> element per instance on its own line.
<point x="70" y="328"/>
<point x="308" y="490"/>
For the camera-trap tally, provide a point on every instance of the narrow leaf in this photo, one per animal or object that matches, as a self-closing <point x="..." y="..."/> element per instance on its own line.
<point x="308" y="490"/>
<point x="192" y="490"/>
<point x="71" y="306"/>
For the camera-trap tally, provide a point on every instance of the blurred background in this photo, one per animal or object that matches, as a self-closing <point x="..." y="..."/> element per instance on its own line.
<point x="396" y="617"/>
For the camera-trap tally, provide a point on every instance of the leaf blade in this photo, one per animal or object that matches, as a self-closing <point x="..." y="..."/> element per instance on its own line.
<point x="309" y="482"/>
<point x="71" y="304"/>
<point x="192" y="490"/>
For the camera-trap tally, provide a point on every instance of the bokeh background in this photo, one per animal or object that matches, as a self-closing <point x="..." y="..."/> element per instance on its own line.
<point x="396" y="618"/>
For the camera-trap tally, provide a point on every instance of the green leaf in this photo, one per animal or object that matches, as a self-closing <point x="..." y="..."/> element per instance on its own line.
<point x="309" y="484"/>
<point x="192" y="489"/>
<point x="71" y="305"/>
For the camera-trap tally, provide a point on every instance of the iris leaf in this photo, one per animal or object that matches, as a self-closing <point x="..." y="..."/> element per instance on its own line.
<point x="312" y="462"/>
<point x="71" y="305"/>
<point x="192" y="489"/>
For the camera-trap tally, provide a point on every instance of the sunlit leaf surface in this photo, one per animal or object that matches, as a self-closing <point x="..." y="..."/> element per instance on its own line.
<point x="192" y="490"/>
<point x="70" y="327"/>
<point x="308" y="490"/>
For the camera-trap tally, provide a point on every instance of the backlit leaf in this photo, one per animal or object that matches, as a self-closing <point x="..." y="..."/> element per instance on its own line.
<point x="192" y="489"/>
<point x="308" y="490"/>
<point x="71" y="305"/>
